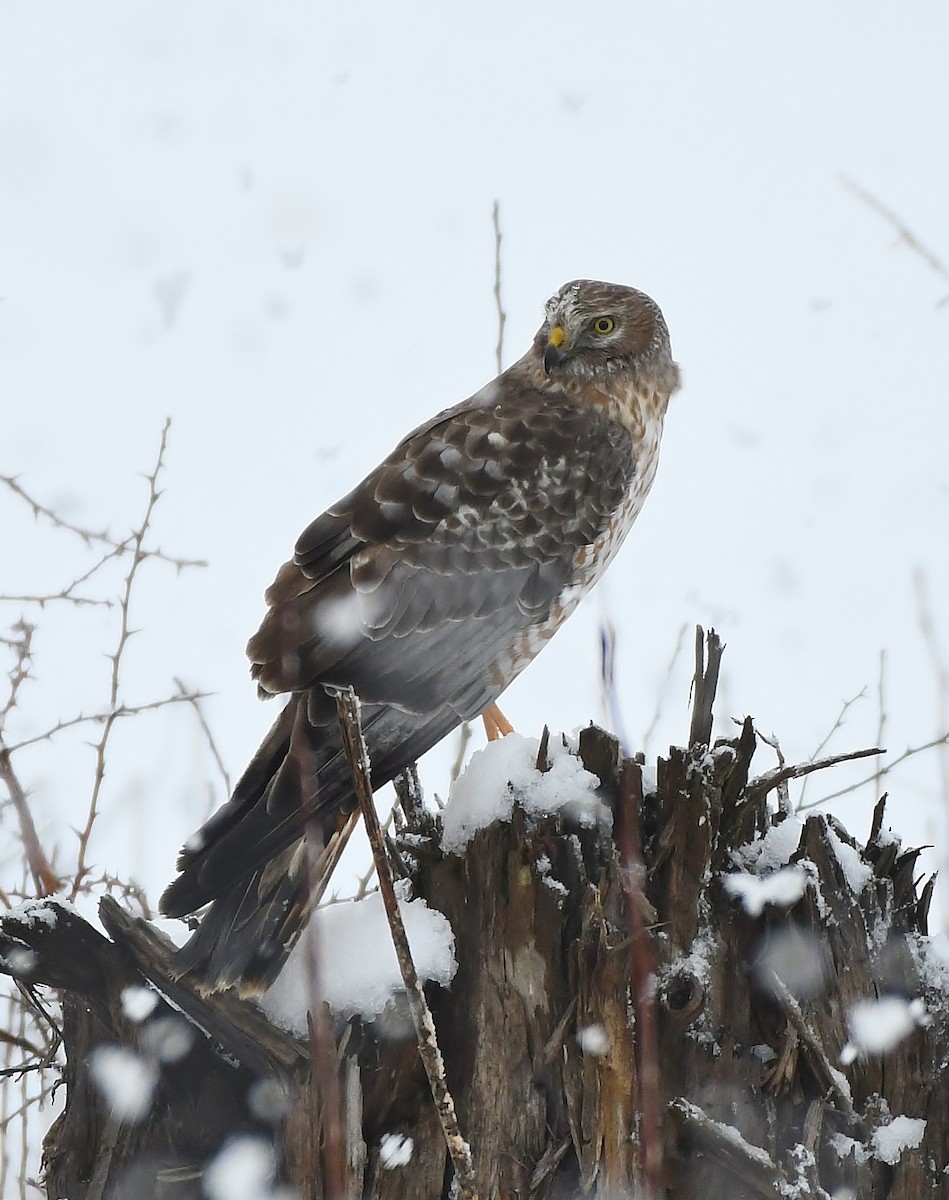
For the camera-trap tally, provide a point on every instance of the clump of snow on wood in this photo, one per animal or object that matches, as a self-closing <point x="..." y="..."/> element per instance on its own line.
<point x="126" y="1080"/>
<point x="878" y="1025"/>
<point x="857" y="873"/>
<point x="772" y="851"/>
<point x="902" y="1133"/>
<point x="243" y="1170"/>
<point x="544" y="870"/>
<point x="138" y="1002"/>
<point x="887" y="1142"/>
<point x="505" y="772"/>
<point x="41" y="912"/>
<point x="784" y="887"/>
<point x="359" y="971"/>
<point x="395" y="1150"/>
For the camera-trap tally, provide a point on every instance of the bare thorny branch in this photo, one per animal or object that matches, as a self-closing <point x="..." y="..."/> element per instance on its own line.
<point x="904" y="233"/>
<point x="136" y="542"/>
<point x="464" y="733"/>
<point x="354" y="744"/>
<point x="32" y="1030"/>
<point x="117" y="546"/>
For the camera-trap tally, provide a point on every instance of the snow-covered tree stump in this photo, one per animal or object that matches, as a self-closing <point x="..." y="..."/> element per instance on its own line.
<point x="799" y="1017"/>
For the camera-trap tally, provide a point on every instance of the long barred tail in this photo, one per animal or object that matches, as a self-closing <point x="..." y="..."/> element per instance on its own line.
<point x="250" y="861"/>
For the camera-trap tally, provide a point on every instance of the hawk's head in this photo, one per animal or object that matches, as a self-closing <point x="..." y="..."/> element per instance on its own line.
<point x="594" y="328"/>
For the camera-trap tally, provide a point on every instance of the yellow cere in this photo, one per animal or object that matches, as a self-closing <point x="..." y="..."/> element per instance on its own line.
<point x="558" y="335"/>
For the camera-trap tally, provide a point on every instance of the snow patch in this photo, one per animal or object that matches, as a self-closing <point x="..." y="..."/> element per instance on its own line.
<point x="772" y="851"/>
<point x="857" y="873"/>
<point x="505" y="772"/>
<point x="359" y="970"/>
<point x="887" y="1142"/>
<point x="902" y="1133"/>
<point x="931" y="956"/>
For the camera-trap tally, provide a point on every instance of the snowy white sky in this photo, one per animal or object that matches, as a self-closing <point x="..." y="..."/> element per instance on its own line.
<point x="272" y="224"/>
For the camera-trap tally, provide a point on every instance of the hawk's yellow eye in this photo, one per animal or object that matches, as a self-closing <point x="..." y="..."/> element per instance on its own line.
<point x="604" y="325"/>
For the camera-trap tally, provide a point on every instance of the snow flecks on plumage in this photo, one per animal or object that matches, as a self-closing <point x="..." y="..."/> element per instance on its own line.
<point x="504" y="773"/>
<point x="358" y="969"/>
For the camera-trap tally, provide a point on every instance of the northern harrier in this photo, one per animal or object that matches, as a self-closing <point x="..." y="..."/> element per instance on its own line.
<point x="428" y="589"/>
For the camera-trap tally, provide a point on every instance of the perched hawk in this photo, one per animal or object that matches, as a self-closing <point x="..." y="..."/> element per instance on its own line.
<point x="428" y="589"/>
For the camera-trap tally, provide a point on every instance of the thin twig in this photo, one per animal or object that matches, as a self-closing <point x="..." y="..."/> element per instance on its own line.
<point x="193" y="698"/>
<point x="464" y="732"/>
<point x="784" y="798"/>
<point x="502" y="316"/>
<point x="838" y="724"/>
<point x="910" y="752"/>
<point x="464" y="737"/>
<point x="20" y="671"/>
<point x="110" y="715"/>
<point x="609" y="697"/>
<point x="828" y="1077"/>
<point x="664" y="687"/>
<point x="125" y="632"/>
<point x="723" y="1142"/>
<point x="354" y="743"/>
<point x="767" y="782"/>
<point x="904" y="232"/>
<point x="45" y="879"/>
<point x="881" y="718"/>
<point x="50" y="598"/>
<point x="937" y="659"/>
<point x="117" y="545"/>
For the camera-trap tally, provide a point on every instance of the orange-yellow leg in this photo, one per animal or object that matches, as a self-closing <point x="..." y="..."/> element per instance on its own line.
<point x="496" y="724"/>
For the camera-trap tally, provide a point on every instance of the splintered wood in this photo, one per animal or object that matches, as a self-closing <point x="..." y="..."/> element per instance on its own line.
<point x="622" y="1022"/>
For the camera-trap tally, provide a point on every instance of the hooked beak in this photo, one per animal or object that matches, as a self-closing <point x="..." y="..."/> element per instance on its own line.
<point x="554" y="353"/>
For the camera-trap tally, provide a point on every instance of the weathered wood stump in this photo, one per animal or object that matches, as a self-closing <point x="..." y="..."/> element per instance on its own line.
<point x="744" y="1084"/>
